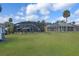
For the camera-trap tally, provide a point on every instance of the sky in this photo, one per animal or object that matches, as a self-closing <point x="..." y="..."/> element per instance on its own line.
<point x="50" y="12"/>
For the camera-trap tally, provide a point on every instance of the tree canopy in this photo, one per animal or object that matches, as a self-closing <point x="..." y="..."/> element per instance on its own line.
<point x="66" y="13"/>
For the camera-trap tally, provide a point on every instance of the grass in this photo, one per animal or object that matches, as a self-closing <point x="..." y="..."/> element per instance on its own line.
<point x="41" y="44"/>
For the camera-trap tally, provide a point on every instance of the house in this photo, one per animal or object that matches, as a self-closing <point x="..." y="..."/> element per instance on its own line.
<point x="62" y="26"/>
<point x="2" y="32"/>
<point x="27" y="27"/>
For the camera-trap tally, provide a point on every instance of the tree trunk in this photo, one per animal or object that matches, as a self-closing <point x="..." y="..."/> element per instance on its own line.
<point x="66" y="24"/>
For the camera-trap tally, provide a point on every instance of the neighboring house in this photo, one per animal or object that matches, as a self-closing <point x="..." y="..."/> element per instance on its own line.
<point x="27" y="27"/>
<point x="2" y="32"/>
<point x="62" y="26"/>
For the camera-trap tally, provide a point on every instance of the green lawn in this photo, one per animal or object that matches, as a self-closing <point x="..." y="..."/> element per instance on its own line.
<point x="41" y="44"/>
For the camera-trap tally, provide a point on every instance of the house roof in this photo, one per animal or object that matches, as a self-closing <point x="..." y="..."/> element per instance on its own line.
<point x="60" y="24"/>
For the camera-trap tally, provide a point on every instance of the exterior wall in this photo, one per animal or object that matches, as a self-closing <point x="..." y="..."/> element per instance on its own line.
<point x="63" y="27"/>
<point x="76" y="28"/>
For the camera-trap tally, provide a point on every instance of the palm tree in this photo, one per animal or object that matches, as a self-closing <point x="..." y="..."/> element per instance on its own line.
<point x="66" y="14"/>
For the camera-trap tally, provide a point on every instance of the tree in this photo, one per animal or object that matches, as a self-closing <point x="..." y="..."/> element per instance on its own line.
<point x="73" y="22"/>
<point x="10" y="26"/>
<point x="66" y="14"/>
<point x="43" y="26"/>
<point x="10" y="20"/>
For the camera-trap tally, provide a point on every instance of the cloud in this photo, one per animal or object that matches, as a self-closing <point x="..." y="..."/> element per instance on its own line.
<point x="74" y="16"/>
<point x="77" y="21"/>
<point x="32" y="18"/>
<point x="61" y="18"/>
<point x="46" y="17"/>
<point x="20" y="13"/>
<point x="44" y="11"/>
<point x="17" y="17"/>
<point x="59" y="6"/>
<point x="56" y="19"/>
<point x="22" y="18"/>
<point x="4" y="19"/>
<point x="22" y="9"/>
<point x="76" y="12"/>
<point x="31" y="9"/>
<point x="44" y="8"/>
<point x="34" y="8"/>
